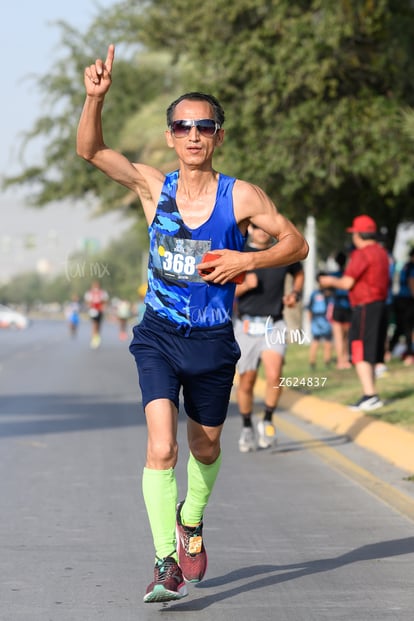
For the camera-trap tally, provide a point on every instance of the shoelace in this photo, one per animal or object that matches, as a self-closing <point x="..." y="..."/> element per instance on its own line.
<point x="165" y="569"/>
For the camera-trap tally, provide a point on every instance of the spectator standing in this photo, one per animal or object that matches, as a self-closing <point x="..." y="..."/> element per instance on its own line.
<point x="320" y="308"/>
<point x="341" y="317"/>
<point x="381" y="367"/>
<point x="366" y="277"/>
<point x="404" y="310"/>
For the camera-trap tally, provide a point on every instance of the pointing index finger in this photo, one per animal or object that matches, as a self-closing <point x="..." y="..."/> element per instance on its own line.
<point x="110" y="58"/>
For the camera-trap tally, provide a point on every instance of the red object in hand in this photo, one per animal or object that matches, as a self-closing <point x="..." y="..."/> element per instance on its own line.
<point x="210" y="256"/>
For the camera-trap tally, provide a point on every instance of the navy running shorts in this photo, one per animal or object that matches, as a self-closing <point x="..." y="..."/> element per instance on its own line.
<point x="202" y="363"/>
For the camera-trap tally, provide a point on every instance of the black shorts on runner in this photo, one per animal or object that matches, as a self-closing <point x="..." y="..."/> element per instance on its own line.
<point x="96" y="316"/>
<point x="368" y="332"/>
<point x="202" y="364"/>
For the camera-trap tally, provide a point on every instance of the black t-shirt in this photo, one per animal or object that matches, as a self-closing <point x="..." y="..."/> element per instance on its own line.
<point x="266" y="298"/>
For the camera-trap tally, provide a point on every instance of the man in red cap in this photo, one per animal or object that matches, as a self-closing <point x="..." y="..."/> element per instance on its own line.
<point x="366" y="277"/>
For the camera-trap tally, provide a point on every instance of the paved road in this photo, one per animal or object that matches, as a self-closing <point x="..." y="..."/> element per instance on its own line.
<point x="292" y="535"/>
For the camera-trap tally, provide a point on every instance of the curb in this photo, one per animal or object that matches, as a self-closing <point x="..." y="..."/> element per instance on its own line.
<point x="393" y="443"/>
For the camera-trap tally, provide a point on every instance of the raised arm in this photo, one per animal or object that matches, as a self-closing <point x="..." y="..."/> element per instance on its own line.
<point x="97" y="80"/>
<point x="144" y="180"/>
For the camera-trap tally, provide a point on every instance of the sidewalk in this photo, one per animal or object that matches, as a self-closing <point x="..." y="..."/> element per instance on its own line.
<point x="389" y="441"/>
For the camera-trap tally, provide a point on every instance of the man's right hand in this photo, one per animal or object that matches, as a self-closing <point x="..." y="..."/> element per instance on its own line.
<point x="98" y="76"/>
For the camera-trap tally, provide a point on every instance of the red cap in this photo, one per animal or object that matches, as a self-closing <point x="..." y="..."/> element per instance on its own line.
<point x="362" y="224"/>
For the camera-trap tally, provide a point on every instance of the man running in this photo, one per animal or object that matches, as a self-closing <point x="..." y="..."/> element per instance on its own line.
<point x="185" y="339"/>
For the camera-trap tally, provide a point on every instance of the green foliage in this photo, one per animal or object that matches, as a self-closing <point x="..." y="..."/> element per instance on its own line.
<point x="313" y="91"/>
<point x="62" y="173"/>
<point x="318" y="95"/>
<point x="23" y="289"/>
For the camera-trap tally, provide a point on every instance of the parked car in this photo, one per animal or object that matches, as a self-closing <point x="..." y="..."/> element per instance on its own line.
<point x="9" y="318"/>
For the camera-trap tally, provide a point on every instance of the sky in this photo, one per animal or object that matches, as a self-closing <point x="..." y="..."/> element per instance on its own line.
<point x="38" y="238"/>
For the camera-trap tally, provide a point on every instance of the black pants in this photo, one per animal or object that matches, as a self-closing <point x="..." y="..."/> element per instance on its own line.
<point x="404" y="323"/>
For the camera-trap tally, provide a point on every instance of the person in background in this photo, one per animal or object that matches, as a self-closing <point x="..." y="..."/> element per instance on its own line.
<point x="185" y="342"/>
<point x="260" y="331"/>
<point x="72" y="313"/>
<point x="381" y="367"/>
<point x="123" y="312"/>
<point x="366" y="277"/>
<point x="341" y="318"/>
<point x="319" y="309"/>
<point x="404" y="310"/>
<point x="96" y="299"/>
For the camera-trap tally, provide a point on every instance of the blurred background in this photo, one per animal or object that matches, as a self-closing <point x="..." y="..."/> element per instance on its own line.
<point x="319" y="101"/>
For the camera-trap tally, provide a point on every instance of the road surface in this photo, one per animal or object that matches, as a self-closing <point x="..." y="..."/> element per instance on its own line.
<point x="316" y="529"/>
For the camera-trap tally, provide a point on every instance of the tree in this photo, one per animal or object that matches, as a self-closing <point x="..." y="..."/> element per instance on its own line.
<point x="315" y="94"/>
<point x="26" y="288"/>
<point x="139" y="80"/>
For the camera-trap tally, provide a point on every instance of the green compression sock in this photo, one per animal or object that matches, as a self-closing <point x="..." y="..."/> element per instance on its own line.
<point x="201" y="479"/>
<point x="159" y="488"/>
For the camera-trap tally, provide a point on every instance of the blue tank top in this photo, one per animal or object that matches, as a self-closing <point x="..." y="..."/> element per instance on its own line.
<point x="175" y="289"/>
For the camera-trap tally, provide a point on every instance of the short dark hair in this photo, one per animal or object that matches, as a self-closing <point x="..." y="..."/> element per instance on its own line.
<point x="218" y="111"/>
<point x="341" y="259"/>
<point x="368" y="235"/>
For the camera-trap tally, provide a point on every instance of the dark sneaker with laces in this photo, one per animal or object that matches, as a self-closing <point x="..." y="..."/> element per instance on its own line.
<point x="192" y="555"/>
<point x="368" y="403"/>
<point x="168" y="582"/>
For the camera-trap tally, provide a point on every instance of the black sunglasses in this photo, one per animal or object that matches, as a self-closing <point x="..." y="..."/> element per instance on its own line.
<point x="206" y="127"/>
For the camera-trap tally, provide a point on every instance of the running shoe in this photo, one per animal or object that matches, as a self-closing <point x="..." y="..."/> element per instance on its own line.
<point x="266" y="434"/>
<point x="367" y="404"/>
<point x="168" y="583"/>
<point x="381" y="370"/>
<point x="246" y="441"/>
<point x="95" y="341"/>
<point x="192" y="555"/>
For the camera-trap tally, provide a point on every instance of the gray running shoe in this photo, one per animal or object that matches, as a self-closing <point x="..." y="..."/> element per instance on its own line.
<point x="266" y="433"/>
<point x="246" y="441"/>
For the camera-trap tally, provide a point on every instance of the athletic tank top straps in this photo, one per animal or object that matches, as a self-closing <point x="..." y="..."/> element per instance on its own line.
<point x="176" y="291"/>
